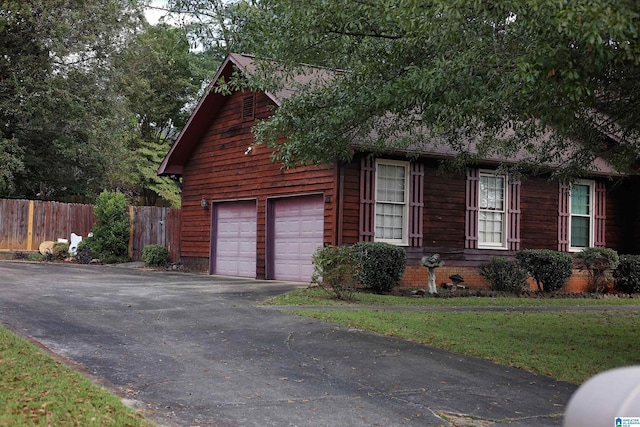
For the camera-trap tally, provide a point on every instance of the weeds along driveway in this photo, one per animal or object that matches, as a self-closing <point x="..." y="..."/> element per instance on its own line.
<point x="191" y="350"/>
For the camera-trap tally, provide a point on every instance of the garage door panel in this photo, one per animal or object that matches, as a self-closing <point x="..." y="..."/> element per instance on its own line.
<point x="298" y="231"/>
<point x="235" y="245"/>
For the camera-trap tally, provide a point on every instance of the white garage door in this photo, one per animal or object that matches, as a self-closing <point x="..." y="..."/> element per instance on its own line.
<point x="298" y="230"/>
<point x="234" y="247"/>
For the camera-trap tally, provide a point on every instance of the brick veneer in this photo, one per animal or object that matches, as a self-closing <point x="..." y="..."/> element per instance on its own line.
<point x="417" y="276"/>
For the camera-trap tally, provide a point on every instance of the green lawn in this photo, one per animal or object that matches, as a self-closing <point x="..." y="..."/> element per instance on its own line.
<point x="317" y="296"/>
<point x="36" y="390"/>
<point x="567" y="345"/>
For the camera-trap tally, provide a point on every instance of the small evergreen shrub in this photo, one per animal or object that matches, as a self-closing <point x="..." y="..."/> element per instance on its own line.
<point x="504" y="275"/>
<point x="110" y="241"/>
<point x="60" y="250"/>
<point x="382" y="265"/>
<point x="599" y="263"/>
<point x="627" y="275"/>
<point x="550" y="269"/>
<point x="84" y="253"/>
<point x="36" y="256"/>
<point x="336" y="269"/>
<point x="20" y="255"/>
<point x="155" y="256"/>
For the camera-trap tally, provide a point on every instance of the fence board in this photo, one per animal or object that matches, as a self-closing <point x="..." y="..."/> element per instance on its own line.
<point x="13" y="223"/>
<point x="54" y="220"/>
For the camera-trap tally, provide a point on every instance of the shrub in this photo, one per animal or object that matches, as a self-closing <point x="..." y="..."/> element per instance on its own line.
<point x="36" y="256"/>
<point x="20" y="255"/>
<point x="155" y="255"/>
<point x="504" y="275"/>
<point x="336" y="269"/>
<point x="60" y="250"/>
<point x="84" y="253"/>
<point x="110" y="241"/>
<point x="550" y="269"/>
<point x="627" y="275"/>
<point x="382" y="265"/>
<point x="599" y="263"/>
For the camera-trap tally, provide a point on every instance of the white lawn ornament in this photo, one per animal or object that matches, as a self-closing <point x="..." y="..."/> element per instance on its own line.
<point x="73" y="246"/>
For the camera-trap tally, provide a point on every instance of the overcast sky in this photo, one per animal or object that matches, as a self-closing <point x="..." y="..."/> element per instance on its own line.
<point x="153" y="15"/>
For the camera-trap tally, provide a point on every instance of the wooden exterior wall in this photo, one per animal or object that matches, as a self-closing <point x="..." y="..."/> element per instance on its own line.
<point x="219" y="170"/>
<point x="444" y="216"/>
<point x="539" y="222"/>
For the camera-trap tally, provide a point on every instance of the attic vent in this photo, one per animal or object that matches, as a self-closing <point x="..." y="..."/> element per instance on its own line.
<point x="248" y="107"/>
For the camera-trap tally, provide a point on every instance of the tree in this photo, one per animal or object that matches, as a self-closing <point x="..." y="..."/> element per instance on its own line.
<point x="212" y="25"/>
<point x="61" y="123"/>
<point x="512" y="79"/>
<point x="159" y="77"/>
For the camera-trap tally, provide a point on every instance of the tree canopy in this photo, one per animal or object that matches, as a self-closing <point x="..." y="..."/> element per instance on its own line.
<point x="159" y="77"/>
<point x="58" y="116"/>
<point x="90" y="98"/>
<point x="549" y="82"/>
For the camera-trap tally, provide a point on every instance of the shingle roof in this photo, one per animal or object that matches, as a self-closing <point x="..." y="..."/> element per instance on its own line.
<point x="212" y="101"/>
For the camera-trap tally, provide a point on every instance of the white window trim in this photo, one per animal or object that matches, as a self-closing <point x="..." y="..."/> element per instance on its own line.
<point x="505" y="219"/>
<point x="404" y="241"/>
<point x="591" y="215"/>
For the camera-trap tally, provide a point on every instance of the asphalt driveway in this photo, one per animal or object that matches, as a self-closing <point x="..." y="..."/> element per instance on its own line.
<point x="195" y="350"/>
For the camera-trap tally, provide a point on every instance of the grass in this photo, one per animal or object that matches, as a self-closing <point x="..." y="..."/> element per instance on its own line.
<point x="568" y="345"/>
<point x="319" y="297"/>
<point x="37" y="390"/>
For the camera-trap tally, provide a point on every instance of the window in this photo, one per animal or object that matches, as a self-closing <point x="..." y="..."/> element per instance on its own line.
<point x="581" y="215"/>
<point x="401" y="201"/>
<point x="492" y="210"/>
<point x="492" y="219"/>
<point x="391" y="202"/>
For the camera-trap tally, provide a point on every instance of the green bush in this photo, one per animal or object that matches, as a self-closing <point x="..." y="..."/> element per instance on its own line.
<point x="504" y="275"/>
<point x="382" y="265"/>
<point x="627" y="275"/>
<point x="60" y="250"/>
<point x="336" y="269"/>
<point x="155" y="255"/>
<point x="550" y="269"/>
<point x="599" y="263"/>
<point x="84" y="253"/>
<point x="110" y="241"/>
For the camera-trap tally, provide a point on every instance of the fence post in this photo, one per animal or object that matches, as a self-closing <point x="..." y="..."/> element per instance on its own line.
<point x="131" y="218"/>
<point x="30" y="227"/>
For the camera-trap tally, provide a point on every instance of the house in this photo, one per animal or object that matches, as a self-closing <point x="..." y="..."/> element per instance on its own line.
<point x="243" y="215"/>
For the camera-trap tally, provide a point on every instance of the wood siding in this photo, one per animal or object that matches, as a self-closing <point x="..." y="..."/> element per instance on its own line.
<point x="539" y="214"/>
<point x="219" y="170"/>
<point x="445" y="208"/>
<point x="622" y="226"/>
<point x="444" y="213"/>
<point x="351" y="203"/>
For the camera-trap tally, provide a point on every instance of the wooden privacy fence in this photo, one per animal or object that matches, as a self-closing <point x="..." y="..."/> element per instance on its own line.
<point x="24" y="224"/>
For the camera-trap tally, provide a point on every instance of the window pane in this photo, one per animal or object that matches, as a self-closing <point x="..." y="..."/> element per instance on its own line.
<point x="389" y="221"/>
<point x="390" y="183"/>
<point x="490" y="228"/>
<point x="492" y="192"/>
<point x="580" y="202"/>
<point x="580" y="231"/>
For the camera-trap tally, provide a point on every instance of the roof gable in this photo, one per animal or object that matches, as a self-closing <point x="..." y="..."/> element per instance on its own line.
<point x="212" y="101"/>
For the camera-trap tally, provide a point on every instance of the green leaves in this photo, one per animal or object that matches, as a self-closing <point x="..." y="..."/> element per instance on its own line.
<point x="429" y="73"/>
